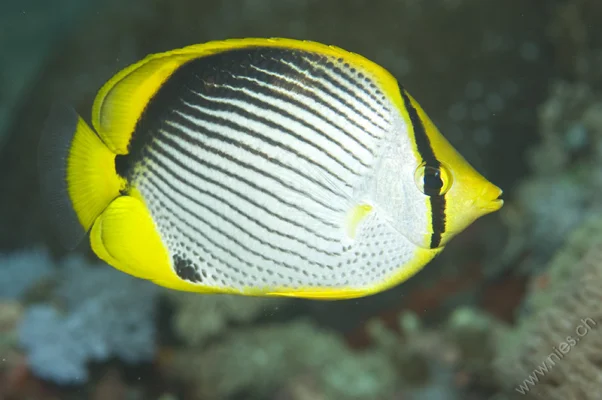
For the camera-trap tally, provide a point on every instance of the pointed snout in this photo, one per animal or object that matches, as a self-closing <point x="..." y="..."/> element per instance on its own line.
<point x="490" y="199"/>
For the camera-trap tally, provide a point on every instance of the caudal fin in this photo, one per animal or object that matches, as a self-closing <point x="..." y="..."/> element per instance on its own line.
<point x="77" y="174"/>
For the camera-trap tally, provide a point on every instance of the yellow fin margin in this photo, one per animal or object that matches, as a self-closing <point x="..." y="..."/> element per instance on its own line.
<point x="421" y="258"/>
<point x="124" y="237"/>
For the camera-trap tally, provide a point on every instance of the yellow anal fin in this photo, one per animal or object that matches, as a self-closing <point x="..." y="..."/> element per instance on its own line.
<point x="125" y="237"/>
<point x="77" y="174"/>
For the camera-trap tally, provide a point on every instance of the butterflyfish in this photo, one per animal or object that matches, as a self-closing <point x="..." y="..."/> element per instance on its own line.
<point x="262" y="167"/>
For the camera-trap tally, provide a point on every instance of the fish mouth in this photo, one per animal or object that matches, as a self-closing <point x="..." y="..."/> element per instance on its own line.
<point x="497" y="204"/>
<point x="492" y="201"/>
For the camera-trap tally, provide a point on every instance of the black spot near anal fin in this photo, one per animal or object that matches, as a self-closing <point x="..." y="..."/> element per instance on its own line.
<point x="185" y="269"/>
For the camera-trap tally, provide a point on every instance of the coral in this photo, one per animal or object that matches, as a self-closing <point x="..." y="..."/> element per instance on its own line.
<point x="566" y="164"/>
<point x="199" y="318"/>
<point x="256" y="361"/>
<point x="11" y="313"/>
<point x="53" y="350"/>
<point x="105" y="313"/>
<point x="111" y="387"/>
<point x="561" y="130"/>
<point x="567" y="174"/>
<point x="313" y="363"/>
<point x="450" y="362"/>
<point x="21" y="270"/>
<point x="546" y="229"/>
<point x="475" y="335"/>
<point x="424" y="361"/>
<point x="555" y="350"/>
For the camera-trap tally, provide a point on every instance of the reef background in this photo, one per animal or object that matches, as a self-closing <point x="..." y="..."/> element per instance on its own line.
<point x="515" y="85"/>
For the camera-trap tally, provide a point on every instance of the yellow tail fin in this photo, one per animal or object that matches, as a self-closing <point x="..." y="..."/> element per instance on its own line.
<point x="77" y="174"/>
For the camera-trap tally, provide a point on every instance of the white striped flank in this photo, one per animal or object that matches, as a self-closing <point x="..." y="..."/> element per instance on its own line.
<point x="324" y="154"/>
<point x="250" y="173"/>
<point x="300" y="117"/>
<point x="321" y="110"/>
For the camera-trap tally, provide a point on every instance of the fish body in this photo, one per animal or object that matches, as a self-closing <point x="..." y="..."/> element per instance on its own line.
<point x="259" y="167"/>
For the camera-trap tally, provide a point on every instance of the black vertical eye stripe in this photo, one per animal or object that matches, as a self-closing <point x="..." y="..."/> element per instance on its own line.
<point x="425" y="150"/>
<point x="432" y="182"/>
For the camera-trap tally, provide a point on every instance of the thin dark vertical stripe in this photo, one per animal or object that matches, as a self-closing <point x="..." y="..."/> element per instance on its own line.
<point x="294" y="86"/>
<point x="200" y="107"/>
<point x="250" y="96"/>
<point x="229" y="221"/>
<point x="425" y="150"/>
<point x="283" y="93"/>
<point x="280" y="93"/>
<point x="217" y="229"/>
<point x="179" y="132"/>
<point x="318" y="79"/>
<point x="155" y="158"/>
<point x="156" y="172"/>
<point x="167" y="141"/>
<point x="362" y="78"/>
<point x="206" y="251"/>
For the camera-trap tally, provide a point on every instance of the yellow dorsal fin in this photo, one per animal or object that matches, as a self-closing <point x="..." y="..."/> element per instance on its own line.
<point x="122" y="100"/>
<point x="125" y="237"/>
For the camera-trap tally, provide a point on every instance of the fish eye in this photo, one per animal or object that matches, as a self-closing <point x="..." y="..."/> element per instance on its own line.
<point x="433" y="180"/>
